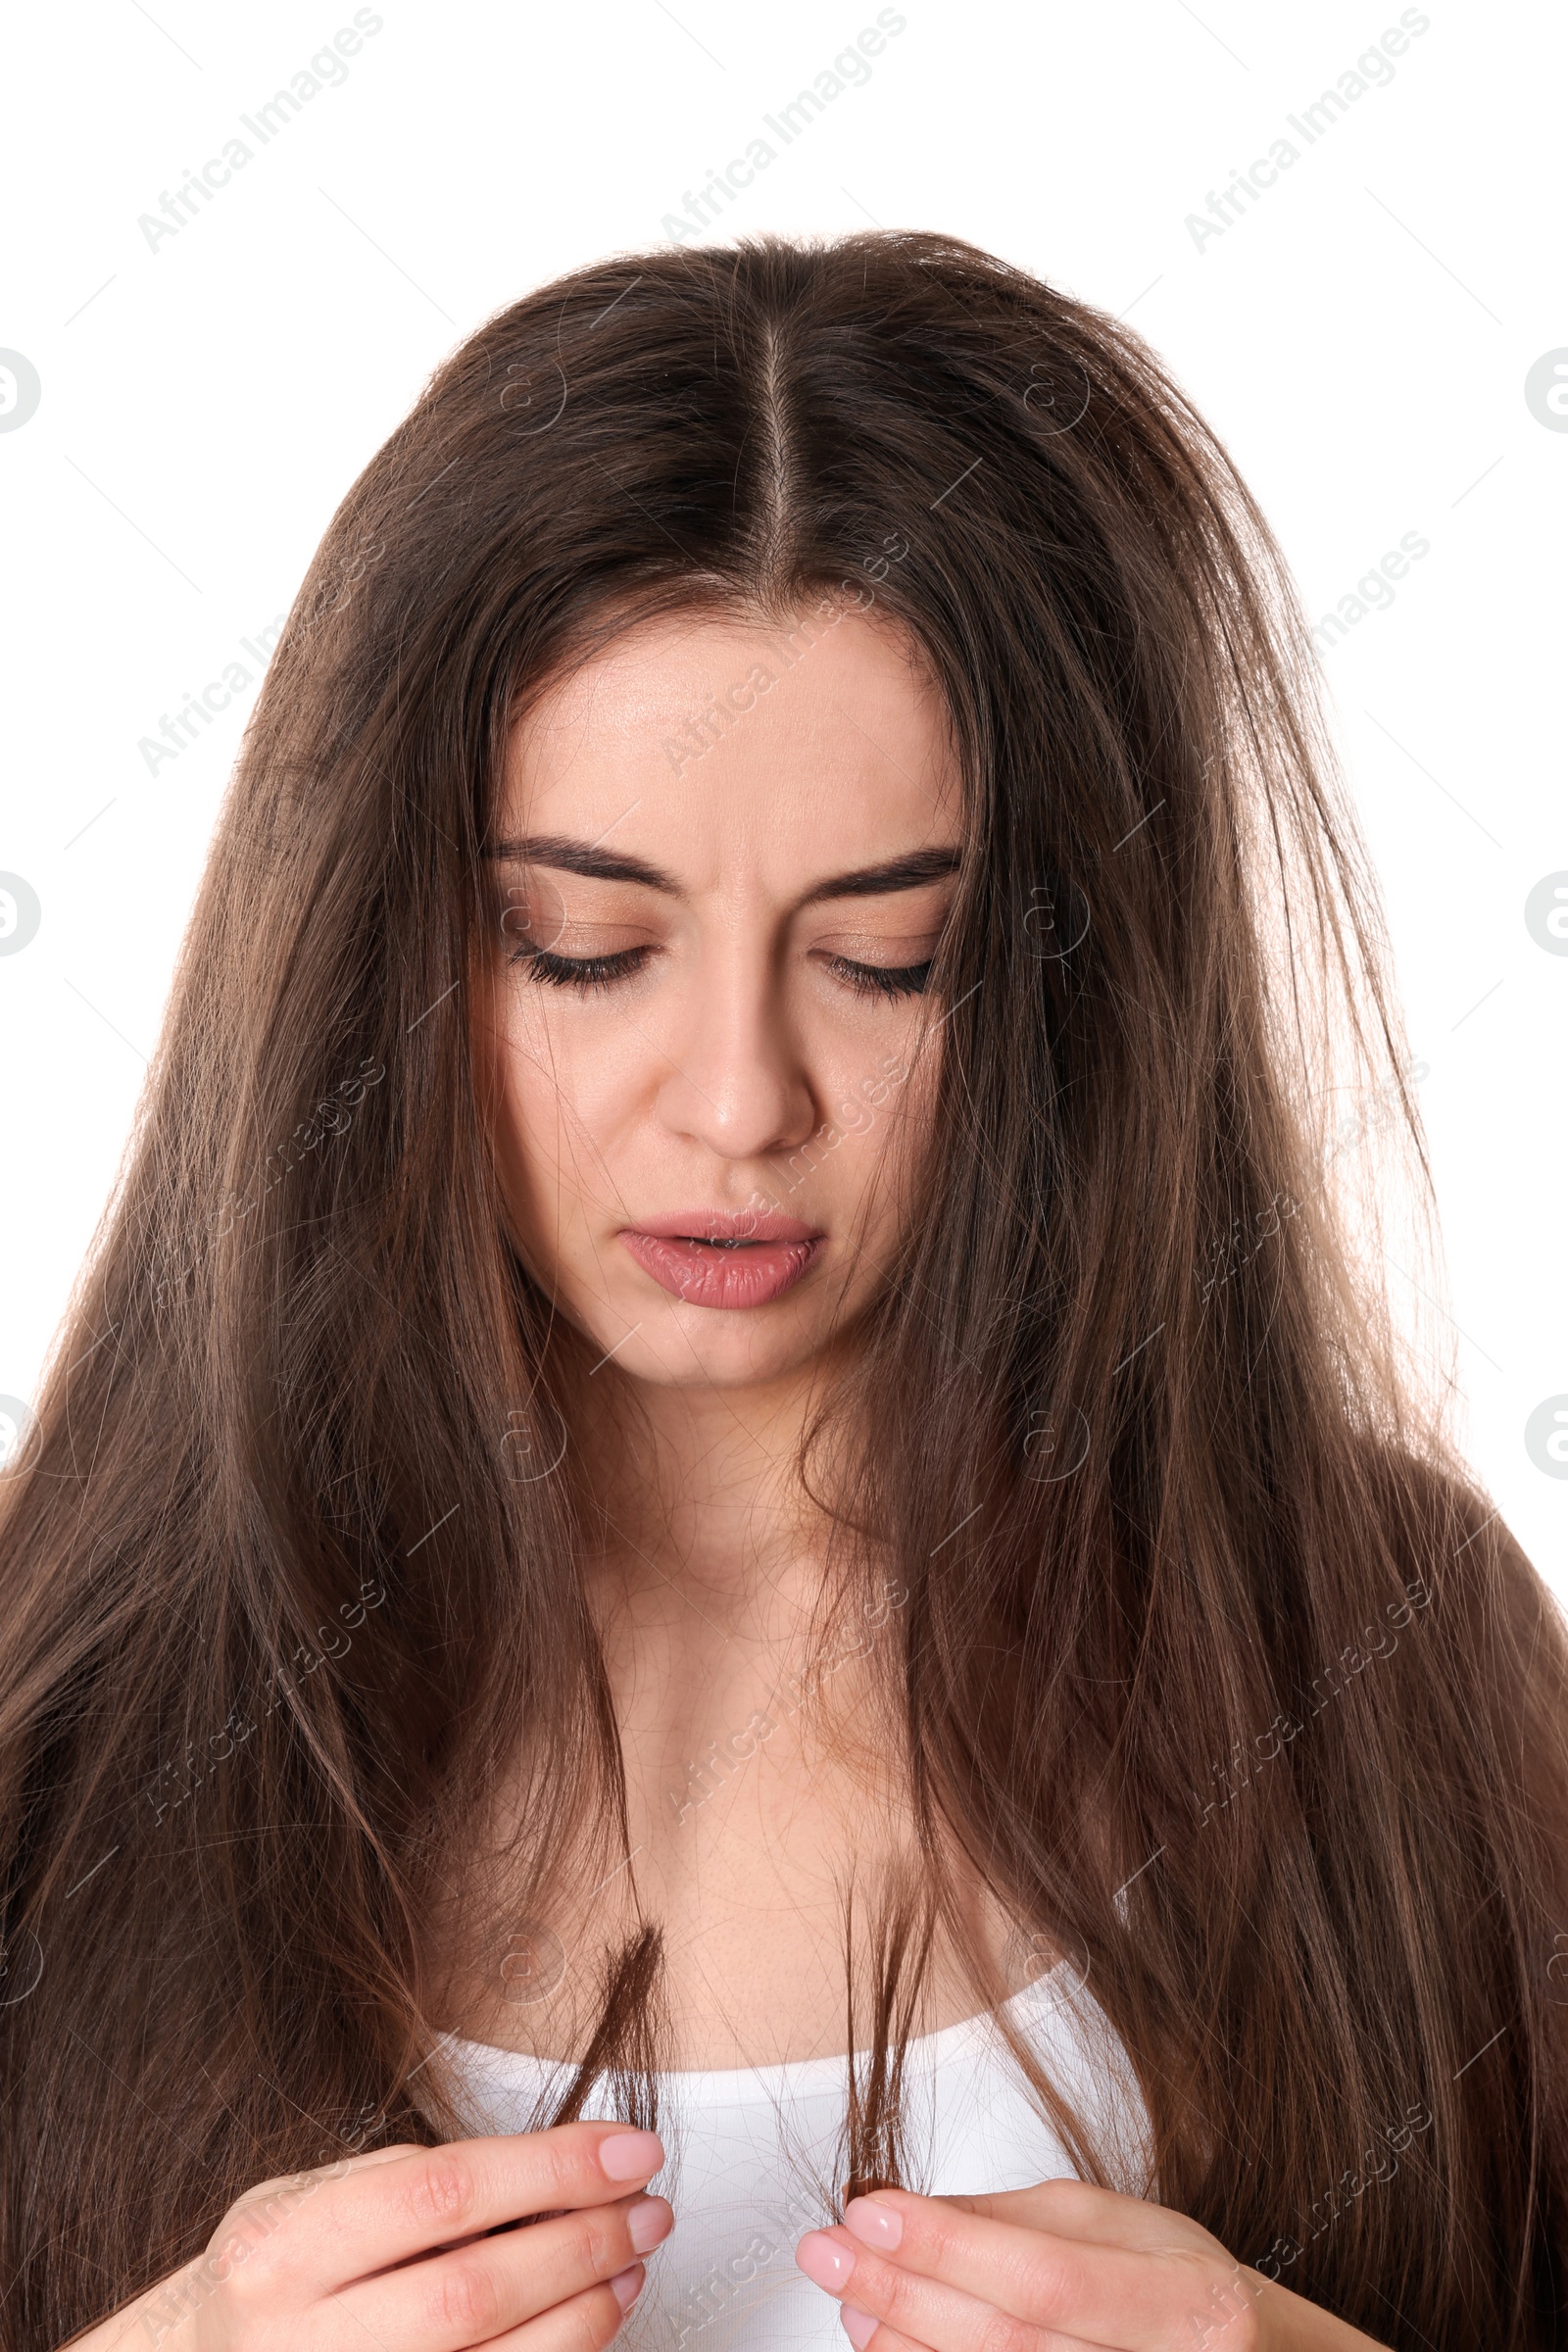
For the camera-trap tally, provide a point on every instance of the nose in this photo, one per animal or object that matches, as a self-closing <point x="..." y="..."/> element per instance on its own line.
<point x="737" y="1081"/>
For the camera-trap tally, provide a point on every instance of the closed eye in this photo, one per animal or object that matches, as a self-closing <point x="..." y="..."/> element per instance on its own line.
<point x="882" y="979"/>
<point x="589" y="974"/>
<point x="586" y="974"/>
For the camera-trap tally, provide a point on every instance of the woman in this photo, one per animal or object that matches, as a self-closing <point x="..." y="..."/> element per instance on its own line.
<point x="731" y="1411"/>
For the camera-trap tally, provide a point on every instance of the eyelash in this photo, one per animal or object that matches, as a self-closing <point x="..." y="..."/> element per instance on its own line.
<point x="882" y="979"/>
<point x="585" y="973"/>
<point x="589" y="974"/>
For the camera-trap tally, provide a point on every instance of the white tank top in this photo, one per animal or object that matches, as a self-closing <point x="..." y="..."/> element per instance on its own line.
<point x="752" y="2154"/>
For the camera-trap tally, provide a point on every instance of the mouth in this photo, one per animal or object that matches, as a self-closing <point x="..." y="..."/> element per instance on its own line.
<point x="723" y="1258"/>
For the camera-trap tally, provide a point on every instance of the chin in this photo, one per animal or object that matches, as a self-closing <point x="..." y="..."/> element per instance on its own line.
<point x="679" y="1346"/>
<point x="686" y="1357"/>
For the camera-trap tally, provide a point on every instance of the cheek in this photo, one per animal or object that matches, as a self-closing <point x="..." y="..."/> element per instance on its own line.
<point x="913" y="1100"/>
<point x="563" y="1098"/>
<point x="546" y="1102"/>
<point x="569" y="1067"/>
<point x="884" y="1115"/>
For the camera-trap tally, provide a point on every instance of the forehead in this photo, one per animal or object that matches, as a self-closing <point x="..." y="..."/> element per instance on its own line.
<point x="705" y="743"/>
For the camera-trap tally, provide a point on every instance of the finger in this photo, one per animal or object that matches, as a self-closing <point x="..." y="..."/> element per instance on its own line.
<point x="1110" y="2296"/>
<point x="1072" y="2208"/>
<point x="587" y="2324"/>
<point x="335" y="2171"/>
<point x="329" y="2232"/>
<point x="898" y="2220"/>
<point x="473" y="2293"/>
<point x="863" y="2331"/>
<point x="888" y="2307"/>
<point x="255" y="2219"/>
<point x="868" y="2334"/>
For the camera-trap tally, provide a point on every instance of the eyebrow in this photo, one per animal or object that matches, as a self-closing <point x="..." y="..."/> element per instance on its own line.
<point x="565" y="855"/>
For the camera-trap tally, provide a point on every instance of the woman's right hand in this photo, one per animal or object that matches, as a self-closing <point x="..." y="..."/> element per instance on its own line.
<point x="390" y="2252"/>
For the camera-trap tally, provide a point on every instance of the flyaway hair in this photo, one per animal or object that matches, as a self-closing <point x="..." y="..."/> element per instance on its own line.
<point x="1232" y="1685"/>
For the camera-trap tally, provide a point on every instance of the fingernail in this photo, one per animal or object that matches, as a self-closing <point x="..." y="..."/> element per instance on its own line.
<point x="648" y="2222"/>
<point x="626" y="2285"/>
<point x="859" y="2326"/>
<point x="631" y="2155"/>
<point x="874" y="2224"/>
<point x="824" y="2261"/>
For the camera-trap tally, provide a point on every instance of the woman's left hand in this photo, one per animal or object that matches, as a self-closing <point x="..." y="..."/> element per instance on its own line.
<point x="1064" y="2267"/>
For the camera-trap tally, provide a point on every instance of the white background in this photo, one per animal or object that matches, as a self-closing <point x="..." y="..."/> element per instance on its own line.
<point x="1360" y="339"/>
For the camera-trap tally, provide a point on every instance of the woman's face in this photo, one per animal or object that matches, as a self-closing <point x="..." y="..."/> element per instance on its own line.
<point x="726" y="856"/>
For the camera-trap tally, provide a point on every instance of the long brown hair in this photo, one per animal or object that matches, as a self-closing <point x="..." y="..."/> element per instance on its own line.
<point x="1231" y="1683"/>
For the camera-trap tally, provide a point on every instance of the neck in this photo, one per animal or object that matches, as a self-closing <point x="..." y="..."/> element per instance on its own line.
<point x="699" y="1489"/>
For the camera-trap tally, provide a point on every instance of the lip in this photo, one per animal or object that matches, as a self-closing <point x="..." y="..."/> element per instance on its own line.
<point x="684" y="1254"/>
